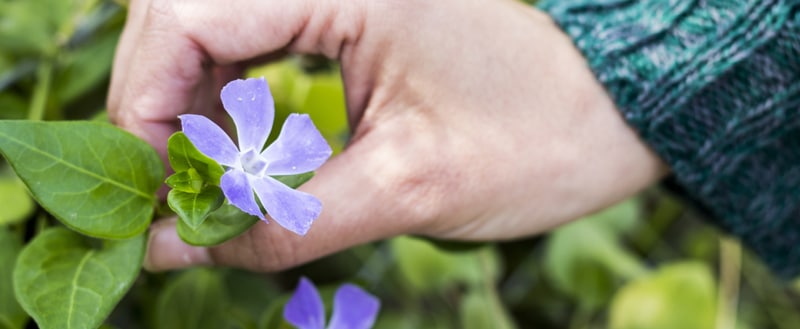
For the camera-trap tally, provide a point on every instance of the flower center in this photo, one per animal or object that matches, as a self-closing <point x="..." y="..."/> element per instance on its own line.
<point x="253" y="163"/>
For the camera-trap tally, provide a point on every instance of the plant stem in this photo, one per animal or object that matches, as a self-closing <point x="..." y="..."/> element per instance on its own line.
<point x="771" y="293"/>
<point x="44" y="75"/>
<point x="68" y="28"/>
<point x="730" y="278"/>
<point x="502" y="318"/>
<point x="41" y="223"/>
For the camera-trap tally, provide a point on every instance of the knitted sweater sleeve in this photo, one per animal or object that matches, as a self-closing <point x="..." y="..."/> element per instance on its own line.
<point x="714" y="88"/>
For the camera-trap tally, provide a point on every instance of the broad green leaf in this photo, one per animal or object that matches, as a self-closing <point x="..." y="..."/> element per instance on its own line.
<point x="478" y="312"/>
<point x="680" y="295"/>
<point x="294" y="181"/>
<point x="585" y="258"/>
<point x="97" y="179"/>
<point x="249" y="293"/>
<point x="194" y="208"/>
<point x="65" y="281"/>
<point x="221" y="225"/>
<point x="84" y="68"/>
<point x="48" y="24"/>
<point x="38" y="27"/>
<point x="17" y="204"/>
<point x="618" y="218"/>
<point x="196" y="299"/>
<point x="428" y="269"/>
<point x="184" y="156"/>
<point x="12" y="316"/>
<point x="23" y="30"/>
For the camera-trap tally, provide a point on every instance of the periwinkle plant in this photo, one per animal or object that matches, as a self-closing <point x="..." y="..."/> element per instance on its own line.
<point x="299" y="148"/>
<point x="210" y="167"/>
<point x="100" y="182"/>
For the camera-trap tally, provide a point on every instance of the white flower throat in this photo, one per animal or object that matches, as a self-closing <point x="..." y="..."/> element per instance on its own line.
<point x="253" y="163"/>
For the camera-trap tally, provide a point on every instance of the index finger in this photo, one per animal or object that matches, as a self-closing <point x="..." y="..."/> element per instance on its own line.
<point x="169" y="57"/>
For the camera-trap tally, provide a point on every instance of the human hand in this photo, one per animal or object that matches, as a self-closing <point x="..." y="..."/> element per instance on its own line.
<point x="473" y="120"/>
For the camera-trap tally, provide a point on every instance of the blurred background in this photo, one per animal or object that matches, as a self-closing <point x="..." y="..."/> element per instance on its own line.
<point x="648" y="263"/>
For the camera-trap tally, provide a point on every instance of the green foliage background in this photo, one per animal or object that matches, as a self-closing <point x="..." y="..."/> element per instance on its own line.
<point x="647" y="263"/>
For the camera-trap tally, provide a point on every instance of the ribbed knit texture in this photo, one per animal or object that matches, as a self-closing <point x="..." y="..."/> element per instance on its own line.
<point x="713" y="86"/>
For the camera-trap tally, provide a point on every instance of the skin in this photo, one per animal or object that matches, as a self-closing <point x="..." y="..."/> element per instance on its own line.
<point x="472" y="120"/>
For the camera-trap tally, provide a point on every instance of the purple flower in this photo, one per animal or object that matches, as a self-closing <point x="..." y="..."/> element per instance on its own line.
<point x="353" y="308"/>
<point x="300" y="148"/>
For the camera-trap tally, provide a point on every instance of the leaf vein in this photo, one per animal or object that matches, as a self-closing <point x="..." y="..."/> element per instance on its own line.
<point x="77" y="168"/>
<point x="74" y="286"/>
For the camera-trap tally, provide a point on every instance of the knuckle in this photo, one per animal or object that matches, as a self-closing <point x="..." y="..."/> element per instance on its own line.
<point x="421" y="189"/>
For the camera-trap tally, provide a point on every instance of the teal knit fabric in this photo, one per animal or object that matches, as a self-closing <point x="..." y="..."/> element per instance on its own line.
<point x="713" y="86"/>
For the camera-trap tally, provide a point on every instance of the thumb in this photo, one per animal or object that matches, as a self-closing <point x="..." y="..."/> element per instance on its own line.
<point x="354" y="188"/>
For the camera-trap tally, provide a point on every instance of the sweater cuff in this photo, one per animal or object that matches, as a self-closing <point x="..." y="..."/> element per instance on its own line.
<point x="714" y="88"/>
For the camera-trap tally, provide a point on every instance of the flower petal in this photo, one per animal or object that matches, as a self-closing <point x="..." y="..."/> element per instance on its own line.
<point x="294" y="210"/>
<point x="353" y="308"/>
<point x="210" y="139"/>
<point x="299" y="148"/>
<point x="237" y="189"/>
<point x="250" y="104"/>
<point x="305" y="310"/>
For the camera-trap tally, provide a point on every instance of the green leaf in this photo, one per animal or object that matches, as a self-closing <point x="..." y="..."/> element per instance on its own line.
<point x="194" y="208"/>
<point x="17" y="204"/>
<point x="209" y="225"/>
<point x="221" y="225"/>
<point x="585" y="259"/>
<point x="84" y="68"/>
<point x="23" y="30"/>
<point x="12" y="106"/>
<point x="294" y="181"/>
<point x="272" y="318"/>
<point x="95" y="178"/>
<point x="319" y="95"/>
<point x="196" y="299"/>
<point x="188" y="181"/>
<point x="478" y="312"/>
<point x="63" y="280"/>
<point x="249" y="293"/>
<point x="680" y="295"/>
<point x="619" y="218"/>
<point x="184" y="156"/>
<point x="428" y="269"/>
<point x="12" y="316"/>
